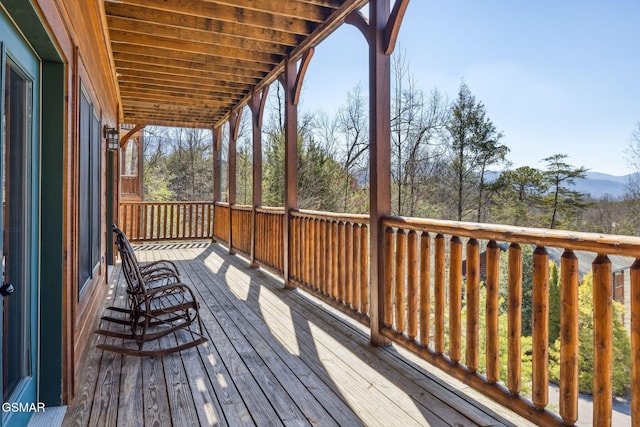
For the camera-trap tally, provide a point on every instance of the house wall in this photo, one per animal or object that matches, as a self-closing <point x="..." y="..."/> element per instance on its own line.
<point x="69" y="37"/>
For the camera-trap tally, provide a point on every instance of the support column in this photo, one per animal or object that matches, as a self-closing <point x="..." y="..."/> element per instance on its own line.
<point x="215" y="142"/>
<point x="256" y="105"/>
<point x="381" y="33"/>
<point x="292" y="83"/>
<point x="234" y="126"/>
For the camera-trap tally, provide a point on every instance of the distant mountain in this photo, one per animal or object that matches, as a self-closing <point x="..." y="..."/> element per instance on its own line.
<point x="599" y="185"/>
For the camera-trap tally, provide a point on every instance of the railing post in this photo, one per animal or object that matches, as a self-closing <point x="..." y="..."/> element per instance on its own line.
<point x="256" y="105"/>
<point x="380" y="32"/>
<point x="216" y="172"/>
<point x="292" y="83"/>
<point x="234" y="127"/>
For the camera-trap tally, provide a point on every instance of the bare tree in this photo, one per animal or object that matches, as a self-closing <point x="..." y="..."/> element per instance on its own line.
<point x="417" y="124"/>
<point x="352" y="127"/>
<point x="633" y="183"/>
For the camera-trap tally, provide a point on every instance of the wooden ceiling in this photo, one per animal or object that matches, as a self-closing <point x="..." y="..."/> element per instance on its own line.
<point x="189" y="63"/>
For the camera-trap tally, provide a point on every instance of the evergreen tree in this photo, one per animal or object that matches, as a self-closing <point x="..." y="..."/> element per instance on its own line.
<point x="562" y="202"/>
<point x="473" y="147"/>
<point x="516" y="196"/>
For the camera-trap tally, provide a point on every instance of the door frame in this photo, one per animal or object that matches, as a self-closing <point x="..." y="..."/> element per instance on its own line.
<point x="19" y="52"/>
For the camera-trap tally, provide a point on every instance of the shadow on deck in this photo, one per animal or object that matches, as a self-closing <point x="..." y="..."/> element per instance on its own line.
<point x="274" y="357"/>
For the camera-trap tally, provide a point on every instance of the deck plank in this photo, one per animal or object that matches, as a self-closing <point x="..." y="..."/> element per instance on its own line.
<point x="353" y="381"/>
<point x="274" y="357"/>
<point x="282" y="364"/>
<point x="78" y="414"/>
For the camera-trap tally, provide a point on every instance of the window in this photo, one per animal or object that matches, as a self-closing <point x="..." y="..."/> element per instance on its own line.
<point x="129" y="158"/>
<point x="89" y="191"/>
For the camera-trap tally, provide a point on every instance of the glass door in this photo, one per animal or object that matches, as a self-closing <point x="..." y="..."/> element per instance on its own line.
<point x="19" y="217"/>
<point x="15" y="289"/>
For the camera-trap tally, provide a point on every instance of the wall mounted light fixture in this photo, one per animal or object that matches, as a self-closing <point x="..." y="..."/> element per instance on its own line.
<point x="113" y="138"/>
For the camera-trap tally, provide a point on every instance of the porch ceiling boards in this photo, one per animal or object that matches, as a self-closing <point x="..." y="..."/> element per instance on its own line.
<point x="190" y="63"/>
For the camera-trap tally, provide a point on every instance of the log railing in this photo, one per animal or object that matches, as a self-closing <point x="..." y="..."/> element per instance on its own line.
<point x="241" y="225"/>
<point x="221" y="221"/>
<point x="442" y="291"/>
<point x="331" y="253"/>
<point x="162" y="221"/>
<point x="433" y="269"/>
<point x="269" y="238"/>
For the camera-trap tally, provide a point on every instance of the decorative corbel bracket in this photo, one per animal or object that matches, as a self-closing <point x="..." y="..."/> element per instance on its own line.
<point x="257" y="104"/>
<point x="125" y="138"/>
<point x="392" y="28"/>
<point x="296" y="84"/>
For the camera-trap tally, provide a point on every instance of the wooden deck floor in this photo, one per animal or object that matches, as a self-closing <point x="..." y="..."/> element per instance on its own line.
<point x="274" y="357"/>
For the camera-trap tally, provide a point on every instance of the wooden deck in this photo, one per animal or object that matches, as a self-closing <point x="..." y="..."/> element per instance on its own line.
<point x="275" y="357"/>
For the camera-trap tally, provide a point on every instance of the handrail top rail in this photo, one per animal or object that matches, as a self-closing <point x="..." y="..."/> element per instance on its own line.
<point x="221" y="204"/>
<point x="270" y="209"/>
<point x="241" y="207"/>
<point x="568" y="240"/>
<point x="330" y="216"/>
<point x="173" y="202"/>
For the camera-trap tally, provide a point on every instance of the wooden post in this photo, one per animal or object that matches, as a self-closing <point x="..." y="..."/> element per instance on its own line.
<point x="492" y="303"/>
<point x="386" y="293"/>
<point x="514" y="313"/>
<point x="256" y="105"/>
<point x="540" y="326"/>
<point x="401" y="249"/>
<point x="425" y="288"/>
<point x="380" y="32"/>
<point x="439" y="295"/>
<point x="215" y="137"/>
<point x="569" y="318"/>
<point x="473" y="305"/>
<point x="234" y="126"/>
<point x="455" y="298"/>
<point x="412" y="285"/>
<point x="292" y="83"/>
<point x="602" y="341"/>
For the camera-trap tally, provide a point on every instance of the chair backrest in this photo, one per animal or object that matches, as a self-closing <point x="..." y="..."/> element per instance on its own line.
<point x="130" y="268"/>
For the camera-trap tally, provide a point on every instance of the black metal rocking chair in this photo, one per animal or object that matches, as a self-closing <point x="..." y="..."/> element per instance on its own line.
<point x="158" y="304"/>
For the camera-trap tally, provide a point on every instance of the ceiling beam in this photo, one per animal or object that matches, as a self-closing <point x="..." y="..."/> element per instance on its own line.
<point x="220" y="12"/>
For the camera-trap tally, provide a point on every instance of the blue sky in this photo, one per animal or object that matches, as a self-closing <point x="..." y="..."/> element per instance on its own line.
<point x="555" y="76"/>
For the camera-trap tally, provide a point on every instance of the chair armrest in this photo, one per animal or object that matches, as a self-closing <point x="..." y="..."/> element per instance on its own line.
<point x="163" y="263"/>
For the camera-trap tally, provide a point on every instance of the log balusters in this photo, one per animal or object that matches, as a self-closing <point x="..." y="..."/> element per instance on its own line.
<point x="163" y="221"/>
<point x="241" y="224"/>
<point x="447" y="287"/>
<point x="270" y="238"/>
<point x="331" y="259"/>
<point x="445" y="304"/>
<point x="221" y="221"/>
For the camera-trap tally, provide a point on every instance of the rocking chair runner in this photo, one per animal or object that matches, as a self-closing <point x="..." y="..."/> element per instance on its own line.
<point x="158" y="305"/>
